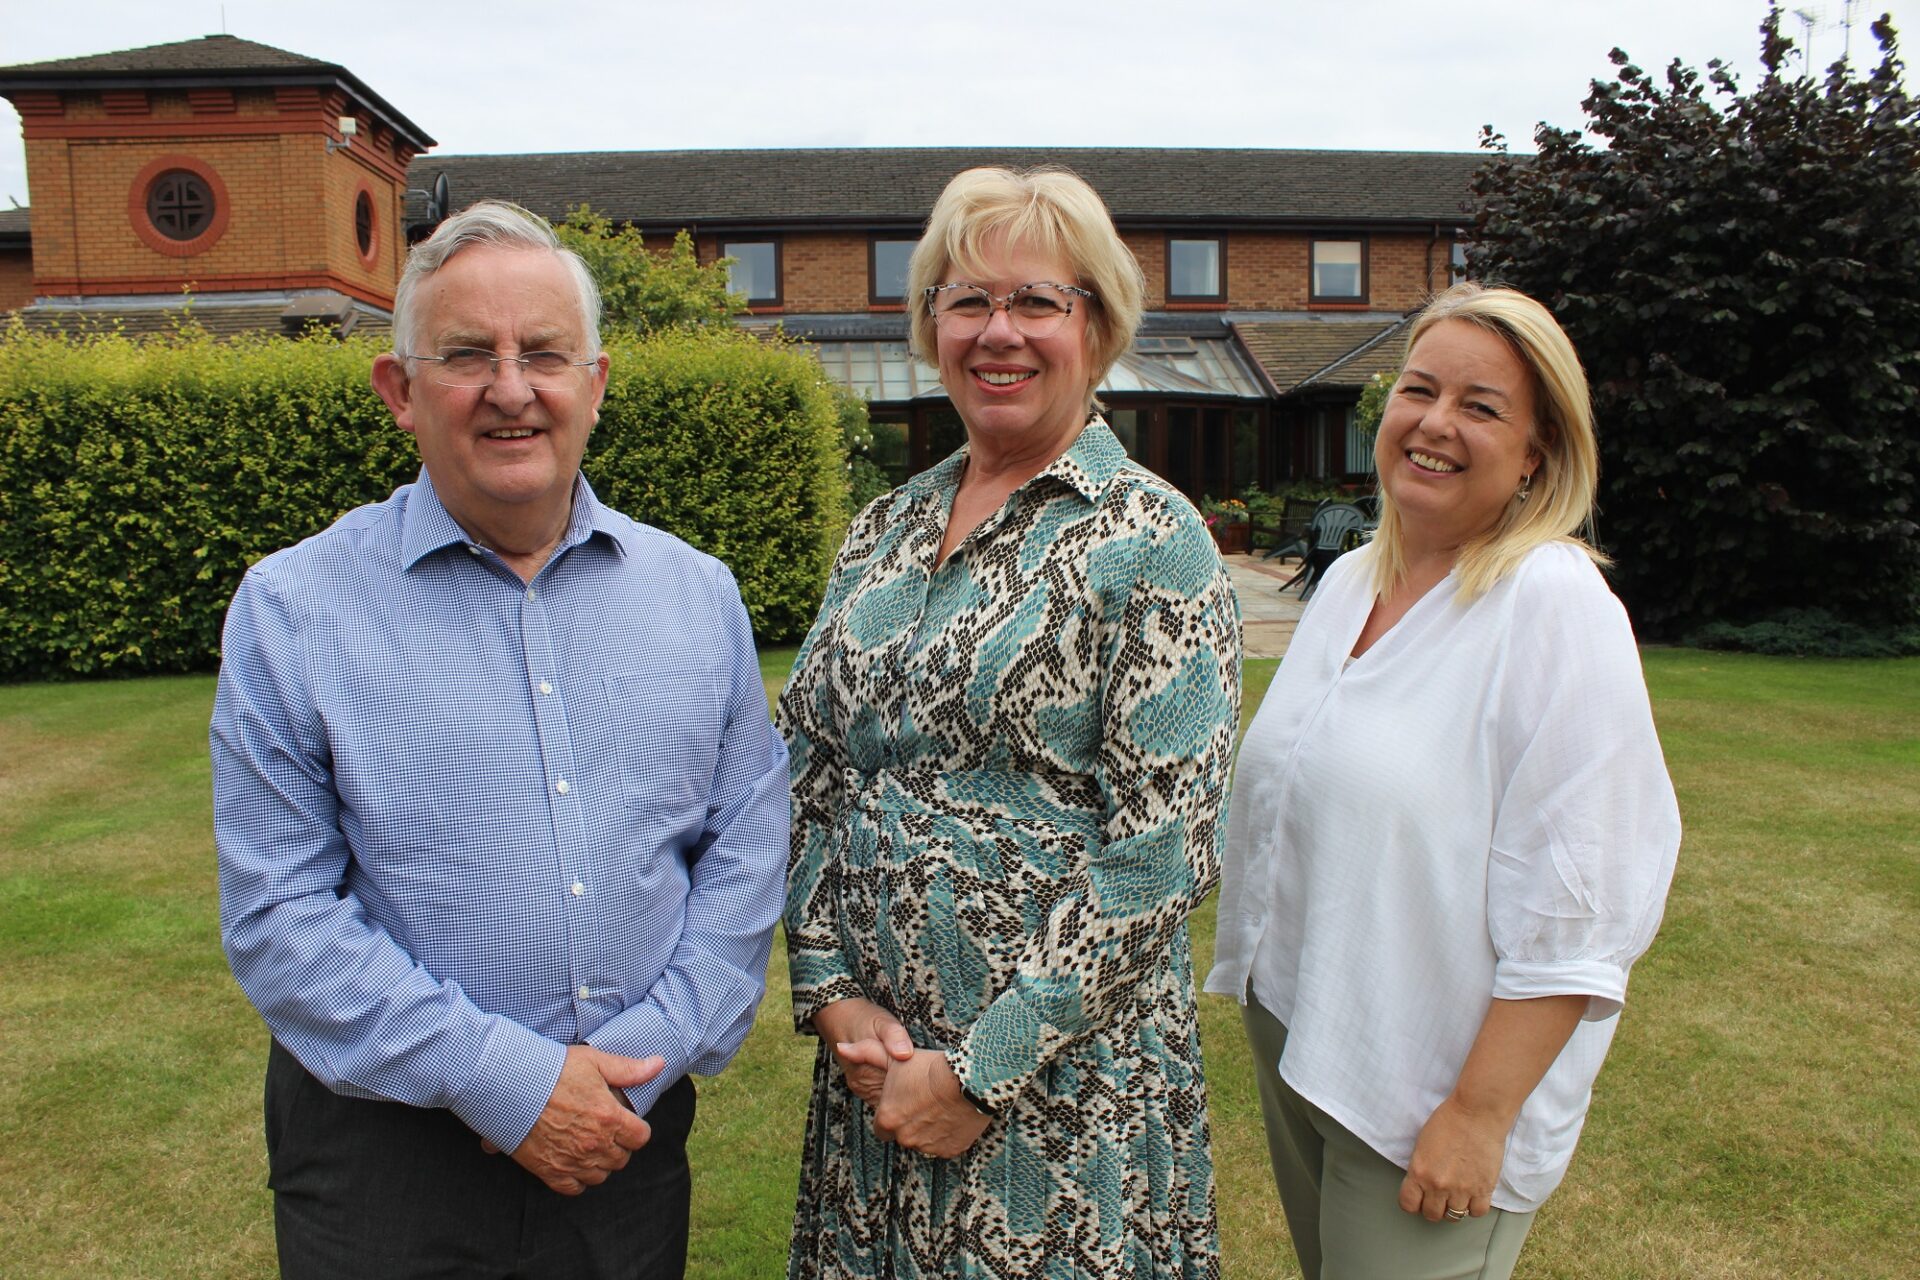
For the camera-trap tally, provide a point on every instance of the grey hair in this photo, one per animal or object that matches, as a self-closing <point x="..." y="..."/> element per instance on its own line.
<point x="502" y="225"/>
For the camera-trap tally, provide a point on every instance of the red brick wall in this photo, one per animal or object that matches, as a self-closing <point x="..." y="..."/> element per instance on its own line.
<point x="1269" y="271"/>
<point x="819" y="271"/>
<point x="289" y="206"/>
<point x="824" y="272"/>
<point x="1266" y="271"/>
<point x="1150" y="251"/>
<point x="16" y="278"/>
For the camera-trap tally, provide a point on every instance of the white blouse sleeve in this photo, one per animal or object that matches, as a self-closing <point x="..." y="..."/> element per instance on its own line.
<point x="1586" y="831"/>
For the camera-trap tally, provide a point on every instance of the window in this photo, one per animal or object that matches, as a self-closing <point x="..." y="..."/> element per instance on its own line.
<point x="1359" y="445"/>
<point x="755" y="270"/>
<point x="1339" y="271"/>
<point x="1457" y="263"/>
<point x="892" y="449"/>
<point x="180" y="205"/>
<point x="363" y="223"/>
<point x="887" y="269"/>
<point x="1130" y="428"/>
<point x="177" y="205"/>
<point x="1195" y="268"/>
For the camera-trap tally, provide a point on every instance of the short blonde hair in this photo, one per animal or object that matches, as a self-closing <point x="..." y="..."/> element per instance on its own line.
<point x="1559" y="503"/>
<point x="1046" y="210"/>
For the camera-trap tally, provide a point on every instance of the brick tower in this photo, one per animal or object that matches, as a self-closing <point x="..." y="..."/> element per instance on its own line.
<point x="268" y="185"/>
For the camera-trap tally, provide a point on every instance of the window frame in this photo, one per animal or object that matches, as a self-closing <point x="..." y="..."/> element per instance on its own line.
<point x="1219" y="242"/>
<point x="369" y="253"/>
<point x="1340" y="299"/>
<point x="142" y="187"/>
<point x="779" y="295"/>
<point x="874" y="297"/>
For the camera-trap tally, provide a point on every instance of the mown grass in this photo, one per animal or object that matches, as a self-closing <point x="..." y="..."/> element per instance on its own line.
<point x="1759" y="1118"/>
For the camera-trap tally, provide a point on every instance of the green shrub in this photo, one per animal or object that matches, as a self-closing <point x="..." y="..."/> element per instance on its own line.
<point x="865" y="479"/>
<point x="1811" y="633"/>
<point x="734" y="445"/>
<point x="139" y="479"/>
<point x="644" y="292"/>
<point x="1372" y="405"/>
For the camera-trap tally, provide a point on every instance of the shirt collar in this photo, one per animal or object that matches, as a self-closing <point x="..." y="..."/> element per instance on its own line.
<point x="1087" y="467"/>
<point x="426" y="527"/>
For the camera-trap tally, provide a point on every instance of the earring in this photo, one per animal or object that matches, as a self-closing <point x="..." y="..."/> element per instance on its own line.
<point x="1525" y="490"/>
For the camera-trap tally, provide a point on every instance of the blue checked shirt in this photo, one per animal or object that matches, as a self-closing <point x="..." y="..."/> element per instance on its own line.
<point x="465" y="822"/>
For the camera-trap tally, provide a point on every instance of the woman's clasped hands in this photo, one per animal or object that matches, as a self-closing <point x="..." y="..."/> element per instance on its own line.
<point x="916" y="1099"/>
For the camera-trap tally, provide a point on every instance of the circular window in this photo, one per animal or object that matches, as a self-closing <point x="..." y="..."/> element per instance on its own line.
<point x="180" y="205"/>
<point x="363" y="222"/>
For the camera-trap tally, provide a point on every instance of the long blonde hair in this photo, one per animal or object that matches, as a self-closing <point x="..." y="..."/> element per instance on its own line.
<point x="1559" y="503"/>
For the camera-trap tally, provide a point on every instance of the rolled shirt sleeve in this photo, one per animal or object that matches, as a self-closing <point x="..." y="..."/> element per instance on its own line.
<point x="1587" y="830"/>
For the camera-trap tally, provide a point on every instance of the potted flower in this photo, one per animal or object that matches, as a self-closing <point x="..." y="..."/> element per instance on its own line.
<point x="1227" y="519"/>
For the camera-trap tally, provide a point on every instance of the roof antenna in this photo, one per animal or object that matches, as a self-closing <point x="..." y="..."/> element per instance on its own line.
<point x="223" y="20"/>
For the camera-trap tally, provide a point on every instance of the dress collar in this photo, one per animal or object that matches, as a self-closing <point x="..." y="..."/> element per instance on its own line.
<point x="1087" y="467"/>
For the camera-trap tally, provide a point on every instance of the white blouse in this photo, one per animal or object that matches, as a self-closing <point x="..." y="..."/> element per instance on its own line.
<point x="1475" y="807"/>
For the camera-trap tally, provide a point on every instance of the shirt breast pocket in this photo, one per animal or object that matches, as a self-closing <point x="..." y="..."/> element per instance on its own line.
<point x="667" y="724"/>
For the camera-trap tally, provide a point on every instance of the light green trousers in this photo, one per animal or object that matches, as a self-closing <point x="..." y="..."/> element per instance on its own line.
<point x="1342" y="1198"/>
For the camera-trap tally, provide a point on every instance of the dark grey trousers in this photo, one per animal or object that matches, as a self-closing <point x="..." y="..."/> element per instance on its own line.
<point x="380" y="1190"/>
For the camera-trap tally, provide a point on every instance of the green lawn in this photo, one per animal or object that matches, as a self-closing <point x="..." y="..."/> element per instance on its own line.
<point x="1760" y="1116"/>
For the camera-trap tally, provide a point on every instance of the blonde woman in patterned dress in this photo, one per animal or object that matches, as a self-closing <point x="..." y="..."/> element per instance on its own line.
<point x="1011" y="728"/>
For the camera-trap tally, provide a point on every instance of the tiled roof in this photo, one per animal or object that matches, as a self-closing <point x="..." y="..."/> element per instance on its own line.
<point x="897" y="185"/>
<point x="15" y="224"/>
<point x="1297" y="354"/>
<point x="214" y="60"/>
<point x="221" y="319"/>
<point x="208" y="53"/>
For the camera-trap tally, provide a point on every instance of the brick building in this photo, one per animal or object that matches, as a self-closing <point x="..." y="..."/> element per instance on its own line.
<point x="1277" y="281"/>
<point x="268" y="186"/>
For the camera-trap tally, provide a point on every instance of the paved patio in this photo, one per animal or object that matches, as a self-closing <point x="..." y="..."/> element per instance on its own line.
<point x="1267" y="614"/>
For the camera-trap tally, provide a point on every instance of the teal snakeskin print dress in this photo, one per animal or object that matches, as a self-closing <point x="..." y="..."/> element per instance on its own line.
<point x="1009" y="782"/>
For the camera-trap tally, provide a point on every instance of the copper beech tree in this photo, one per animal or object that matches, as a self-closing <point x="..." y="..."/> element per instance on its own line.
<point x="1738" y="273"/>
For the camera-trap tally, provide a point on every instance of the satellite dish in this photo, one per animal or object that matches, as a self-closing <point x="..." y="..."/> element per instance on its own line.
<point x="440" y="202"/>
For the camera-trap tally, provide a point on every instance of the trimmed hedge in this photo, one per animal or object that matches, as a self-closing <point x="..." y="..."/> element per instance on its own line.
<point x="1808" y="633"/>
<point x="139" y="479"/>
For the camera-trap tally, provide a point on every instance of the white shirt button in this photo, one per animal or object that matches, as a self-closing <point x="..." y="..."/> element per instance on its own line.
<point x="546" y="687"/>
<point x="529" y="593"/>
<point x="583" y="993"/>
<point x="562" y="787"/>
<point x="474" y="551"/>
<point x="578" y="888"/>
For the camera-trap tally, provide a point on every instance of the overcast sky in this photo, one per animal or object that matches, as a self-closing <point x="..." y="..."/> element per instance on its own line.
<point x="488" y="76"/>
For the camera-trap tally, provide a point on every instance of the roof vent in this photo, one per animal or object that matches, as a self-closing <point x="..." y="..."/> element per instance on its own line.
<point x="331" y="311"/>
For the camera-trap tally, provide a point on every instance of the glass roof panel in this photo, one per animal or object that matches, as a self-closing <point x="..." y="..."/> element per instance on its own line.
<point x="884" y="371"/>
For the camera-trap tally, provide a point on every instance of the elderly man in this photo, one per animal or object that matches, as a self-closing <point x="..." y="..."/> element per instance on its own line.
<point x="502" y="820"/>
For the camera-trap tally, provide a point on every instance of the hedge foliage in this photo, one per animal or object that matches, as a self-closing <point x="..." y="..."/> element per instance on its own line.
<point x="139" y="479"/>
<point x="1808" y="633"/>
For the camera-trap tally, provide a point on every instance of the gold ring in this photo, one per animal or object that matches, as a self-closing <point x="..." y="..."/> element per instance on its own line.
<point x="1454" y="1215"/>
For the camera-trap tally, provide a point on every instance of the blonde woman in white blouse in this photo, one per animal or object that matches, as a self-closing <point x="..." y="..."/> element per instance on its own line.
<point x="1451" y="830"/>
